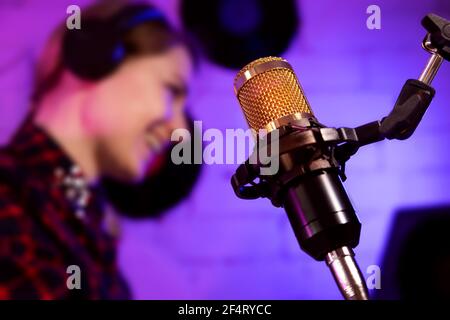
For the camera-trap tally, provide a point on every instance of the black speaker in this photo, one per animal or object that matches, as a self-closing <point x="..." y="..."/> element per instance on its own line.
<point x="235" y="32"/>
<point x="416" y="262"/>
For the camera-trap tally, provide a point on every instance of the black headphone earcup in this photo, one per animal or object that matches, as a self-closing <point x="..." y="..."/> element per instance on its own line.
<point x="89" y="51"/>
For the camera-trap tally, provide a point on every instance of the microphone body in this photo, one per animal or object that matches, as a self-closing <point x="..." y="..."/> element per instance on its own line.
<point x="321" y="214"/>
<point x="307" y="183"/>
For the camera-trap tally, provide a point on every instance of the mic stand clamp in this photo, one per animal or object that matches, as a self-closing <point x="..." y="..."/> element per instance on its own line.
<point x="304" y="141"/>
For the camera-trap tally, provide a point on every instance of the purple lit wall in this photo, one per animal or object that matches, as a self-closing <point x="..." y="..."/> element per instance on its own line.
<point x="215" y="246"/>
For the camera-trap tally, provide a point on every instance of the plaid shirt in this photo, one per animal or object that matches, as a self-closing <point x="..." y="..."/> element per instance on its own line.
<point x="50" y="219"/>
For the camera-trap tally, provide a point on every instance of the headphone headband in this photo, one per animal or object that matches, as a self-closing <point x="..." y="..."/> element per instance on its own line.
<point x="148" y="15"/>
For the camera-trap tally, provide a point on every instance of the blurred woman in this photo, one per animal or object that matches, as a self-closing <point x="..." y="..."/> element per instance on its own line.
<point x="106" y="100"/>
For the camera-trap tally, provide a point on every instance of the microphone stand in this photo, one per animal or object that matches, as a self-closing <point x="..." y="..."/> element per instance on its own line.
<point x="313" y="157"/>
<point x="414" y="99"/>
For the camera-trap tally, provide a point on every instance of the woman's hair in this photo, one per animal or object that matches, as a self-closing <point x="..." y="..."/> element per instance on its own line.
<point x="149" y="37"/>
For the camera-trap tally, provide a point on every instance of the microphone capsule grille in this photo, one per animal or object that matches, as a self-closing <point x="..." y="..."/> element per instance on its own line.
<point x="267" y="90"/>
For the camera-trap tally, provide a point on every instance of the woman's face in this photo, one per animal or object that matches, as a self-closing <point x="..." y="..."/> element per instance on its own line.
<point x="132" y="113"/>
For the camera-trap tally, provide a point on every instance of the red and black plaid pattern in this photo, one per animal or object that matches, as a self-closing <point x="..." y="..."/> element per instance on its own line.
<point x="41" y="230"/>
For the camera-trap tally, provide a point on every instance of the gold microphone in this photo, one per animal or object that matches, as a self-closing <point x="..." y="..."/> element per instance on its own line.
<point x="318" y="207"/>
<point x="270" y="94"/>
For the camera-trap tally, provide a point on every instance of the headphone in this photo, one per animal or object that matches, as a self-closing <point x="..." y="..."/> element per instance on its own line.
<point x="97" y="49"/>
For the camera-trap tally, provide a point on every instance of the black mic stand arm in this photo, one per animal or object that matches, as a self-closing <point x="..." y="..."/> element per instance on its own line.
<point x="414" y="98"/>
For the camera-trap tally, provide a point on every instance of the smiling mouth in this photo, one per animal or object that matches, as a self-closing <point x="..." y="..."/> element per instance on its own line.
<point x="155" y="139"/>
<point x="154" y="143"/>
